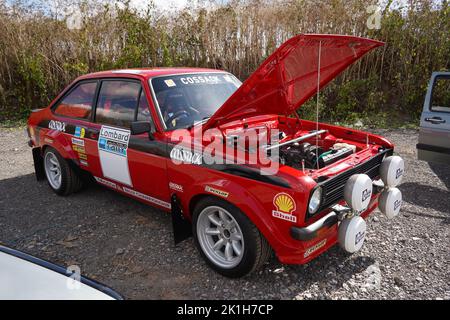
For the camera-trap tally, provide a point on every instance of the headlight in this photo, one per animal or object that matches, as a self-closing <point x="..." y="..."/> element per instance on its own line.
<point x="314" y="201"/>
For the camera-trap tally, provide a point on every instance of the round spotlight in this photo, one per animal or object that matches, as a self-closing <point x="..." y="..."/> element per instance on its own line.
<point x="391" y="171"/>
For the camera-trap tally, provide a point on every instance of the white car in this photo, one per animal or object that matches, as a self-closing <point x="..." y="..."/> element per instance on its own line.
<point x="24" y="277"/>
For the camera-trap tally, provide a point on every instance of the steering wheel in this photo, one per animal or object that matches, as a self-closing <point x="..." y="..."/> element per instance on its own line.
<point x="177" y="115"/>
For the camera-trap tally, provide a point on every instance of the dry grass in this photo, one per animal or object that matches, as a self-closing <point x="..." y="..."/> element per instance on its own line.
<point x="39" y="55"/>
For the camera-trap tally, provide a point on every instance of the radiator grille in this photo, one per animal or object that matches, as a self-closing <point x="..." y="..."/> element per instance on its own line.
<point x="333" y="188"/>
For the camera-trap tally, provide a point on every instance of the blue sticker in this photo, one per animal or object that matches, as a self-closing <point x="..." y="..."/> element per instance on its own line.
<point x="102" y="144"/>
<point x="79" y="132"/>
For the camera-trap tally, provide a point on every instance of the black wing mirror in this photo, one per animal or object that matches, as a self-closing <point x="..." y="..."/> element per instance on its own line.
<point x="139" y="127"/>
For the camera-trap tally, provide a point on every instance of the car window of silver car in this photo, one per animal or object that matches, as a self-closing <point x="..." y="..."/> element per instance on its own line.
<point x="440" y="99"/>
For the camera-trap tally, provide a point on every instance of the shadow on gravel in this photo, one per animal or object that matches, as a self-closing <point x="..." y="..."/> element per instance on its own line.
<point x="427" y="196"/>
<point x="443" y="172"/>
<point x="330" y="270"/>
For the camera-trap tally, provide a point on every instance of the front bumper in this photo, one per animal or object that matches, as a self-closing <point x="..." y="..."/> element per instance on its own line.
<point x="316" y="229"/>
<point x="323" y="230"/>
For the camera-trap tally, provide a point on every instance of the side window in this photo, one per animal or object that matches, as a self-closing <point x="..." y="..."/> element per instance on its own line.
<point x="143" y="113"/>
<point x="78" y="103"/>
<point x="440" y="99"/>
<point x="117" y="102"/>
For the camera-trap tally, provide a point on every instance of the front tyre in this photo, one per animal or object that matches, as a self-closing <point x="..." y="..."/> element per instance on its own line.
<point x="60" y="176"/>
<point x="228" y="241"/>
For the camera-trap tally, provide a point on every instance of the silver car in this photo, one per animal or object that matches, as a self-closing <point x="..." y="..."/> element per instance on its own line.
<point x="434" y="136"/>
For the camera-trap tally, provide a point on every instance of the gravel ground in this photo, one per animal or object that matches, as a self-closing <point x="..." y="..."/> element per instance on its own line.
<point x="129" y="246"/>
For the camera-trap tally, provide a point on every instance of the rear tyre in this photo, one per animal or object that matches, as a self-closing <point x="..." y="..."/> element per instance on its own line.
<point x="60" y="176"/>
<point x="228" y="241"/>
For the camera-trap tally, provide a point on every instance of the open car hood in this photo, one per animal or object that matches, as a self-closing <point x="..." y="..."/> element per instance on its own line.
<point x="289" y="77"/>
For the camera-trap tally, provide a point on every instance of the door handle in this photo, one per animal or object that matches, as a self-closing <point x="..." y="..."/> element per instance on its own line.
<point x="435" y="120"/>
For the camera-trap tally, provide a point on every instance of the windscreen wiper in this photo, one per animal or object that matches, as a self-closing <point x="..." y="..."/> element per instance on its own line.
<point x="198" y="122"/>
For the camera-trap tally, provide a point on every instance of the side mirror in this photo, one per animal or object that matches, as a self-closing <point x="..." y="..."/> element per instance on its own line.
<point x="139" y="127"/>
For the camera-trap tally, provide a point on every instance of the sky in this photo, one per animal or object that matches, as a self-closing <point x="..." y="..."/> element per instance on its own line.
<point x="162" y="4"/>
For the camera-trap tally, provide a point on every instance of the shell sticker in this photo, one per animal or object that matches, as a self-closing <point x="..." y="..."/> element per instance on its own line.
<point x="170" y="83"/>
<point x="284" y="207"/>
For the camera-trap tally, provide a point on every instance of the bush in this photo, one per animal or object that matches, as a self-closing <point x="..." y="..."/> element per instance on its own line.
<point x="40" y="55"/>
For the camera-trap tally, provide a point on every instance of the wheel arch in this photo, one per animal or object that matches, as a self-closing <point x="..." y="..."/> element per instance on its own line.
<point x="253" y="210"/>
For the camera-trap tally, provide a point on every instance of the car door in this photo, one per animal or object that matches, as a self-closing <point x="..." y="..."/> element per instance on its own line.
<point x="130" y="161"/>
<point x="74" y="111"/>
<point x="434" y="135"/>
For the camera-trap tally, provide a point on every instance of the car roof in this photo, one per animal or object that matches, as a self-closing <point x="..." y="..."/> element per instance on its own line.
<point x="146" y="73"/>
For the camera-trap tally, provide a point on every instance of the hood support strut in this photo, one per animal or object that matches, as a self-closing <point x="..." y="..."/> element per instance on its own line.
<point x="306" y="136"/>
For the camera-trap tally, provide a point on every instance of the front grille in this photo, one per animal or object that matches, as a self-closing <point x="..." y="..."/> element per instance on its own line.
<point x="333" y="188"/>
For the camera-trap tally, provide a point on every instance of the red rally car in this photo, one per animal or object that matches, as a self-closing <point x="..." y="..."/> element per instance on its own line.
<point x="232" y="162"/>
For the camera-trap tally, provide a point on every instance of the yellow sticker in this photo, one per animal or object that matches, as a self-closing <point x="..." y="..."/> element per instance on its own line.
<point x="82" y="156"/>
<point x="78" y="149"/>
<point x="284" y="207"/>
<point x="170" y="83"/>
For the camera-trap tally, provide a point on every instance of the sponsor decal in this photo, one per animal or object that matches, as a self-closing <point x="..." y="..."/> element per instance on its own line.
<point x="80" y="132"/>
<point x="106" y="182"/>
<point x="215" y="191"/>
<point x="78" y="149"/>
<point x="227" y="78"/>
<point x="180" y="155"/>
<point x="398" y="173"/>
<point x="84" y="163"/>
<point x="147" y="198"/>
<point x="339" y="167"/>
<point x="114" y="140"/>
<point x="170" y="83"/>
<point x="175" y="187"/>
<point x="199" y="79"/>
<point x="48" y="140"/>
<point x="78" y="142"/>
<point x="314" y="248"/>
<point x="366" y="194"/>
<point x="57" y="125"/>
<point x="397" y="204"/>
<point x="112" y="150"/>
<point x="82" y="156"/>
<point x="285" y="206"/>
<point x="359" y="236"/>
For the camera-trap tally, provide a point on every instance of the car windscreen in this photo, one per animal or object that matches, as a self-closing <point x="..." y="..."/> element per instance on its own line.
<point x="185" y="99"/>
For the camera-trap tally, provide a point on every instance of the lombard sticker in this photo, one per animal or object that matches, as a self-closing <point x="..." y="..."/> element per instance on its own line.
<point x="315" y="247"/>
<point x="57" y="125"/>
<point x="114" y="140"/>
<point x="84" y="163"/>
<point x="284" y="207"/>
<point x="48" y="140"/>
<point x="180" y="155"/>
<point x="78" y="142"/>
<point x="170" y="83"/>
<point x="80" y="132"/>
<point x="113" y="154"/>
<point x="215" y="191"/>
<point x="175" y="187"/>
